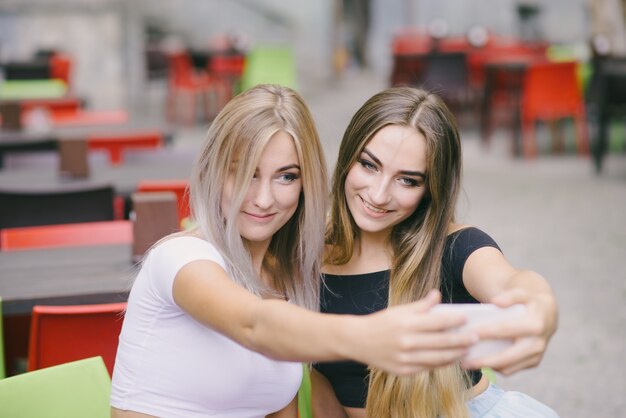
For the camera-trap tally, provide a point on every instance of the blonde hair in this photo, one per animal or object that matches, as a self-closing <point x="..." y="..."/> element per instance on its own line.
<point x="417" y="242"/>
<point x="239" y="133"/>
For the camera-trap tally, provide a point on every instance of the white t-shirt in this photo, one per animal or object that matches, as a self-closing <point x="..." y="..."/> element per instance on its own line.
<point x="170" y="365"/>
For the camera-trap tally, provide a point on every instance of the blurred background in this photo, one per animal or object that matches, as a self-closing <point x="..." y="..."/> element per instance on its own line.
<point x="113" y="98"/>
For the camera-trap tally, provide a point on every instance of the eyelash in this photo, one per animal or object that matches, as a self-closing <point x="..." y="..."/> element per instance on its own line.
<point x="288" y="177"/>
<point x="406" y="181"/>
<point x="366" y="164"/>
<point x="409" y="182"/>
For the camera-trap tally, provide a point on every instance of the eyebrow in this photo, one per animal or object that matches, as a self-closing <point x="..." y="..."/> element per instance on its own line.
<point x="289" y="167"/>
<point x="404" y="172"/>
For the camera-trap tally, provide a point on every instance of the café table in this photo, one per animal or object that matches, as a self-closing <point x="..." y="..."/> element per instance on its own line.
<point x="60" y="276"/>
<point x="64" y="276"/>
<point x="124" y="177"/>
<point x="26" y="140"/>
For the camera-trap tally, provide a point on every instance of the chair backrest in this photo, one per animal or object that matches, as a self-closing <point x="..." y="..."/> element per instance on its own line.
<point x="32" y="89"/>
<point x="446" y="72"/>
<point x="27" y="70"/>
<point x="607" y="88"/>
<point x="2" y="367"/>
<point x="59" y="206"/>
<point x="61" y="67"/>
<point x="115" y="144"/>
<point x="179" y="187"/>
<point x="59" y="334"/>
<point x="180" y="67"/>
<point x="551" y="89"/>
<point x="304" y="394"/>
<point x="73" y="390"/>
<point x="66" y="235"/>
<point x="271" y="64"/>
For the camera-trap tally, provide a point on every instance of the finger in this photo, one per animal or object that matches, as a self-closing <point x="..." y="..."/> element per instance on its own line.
<point x="528" y="364"/>
<point x="438" y="321"/>
<point x="520" y="353"/>
<point x="527" y="326"/>
<point x="431" y="299"/>
<point x="441" y="341"/>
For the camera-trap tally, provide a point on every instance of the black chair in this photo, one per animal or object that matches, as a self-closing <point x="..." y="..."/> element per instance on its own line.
<point x="59" y="206"/>
<point x="447" y="75"/>
<point x="28" y="70"/>
<point x="606" y="99"/>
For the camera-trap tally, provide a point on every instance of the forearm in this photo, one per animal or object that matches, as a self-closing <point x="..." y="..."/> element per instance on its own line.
<point x="286" y="332"/>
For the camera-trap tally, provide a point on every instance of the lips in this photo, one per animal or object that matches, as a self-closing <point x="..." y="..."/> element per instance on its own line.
<point x="260" y="217"/>
<point x="373" y="209"/>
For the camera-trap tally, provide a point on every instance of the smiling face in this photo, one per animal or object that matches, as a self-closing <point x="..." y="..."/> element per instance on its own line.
<point x="387" y="182"/>
<point x="274" y="192"/>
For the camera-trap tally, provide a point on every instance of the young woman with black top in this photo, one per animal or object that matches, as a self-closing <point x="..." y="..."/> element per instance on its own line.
<point x="392" y="238"/>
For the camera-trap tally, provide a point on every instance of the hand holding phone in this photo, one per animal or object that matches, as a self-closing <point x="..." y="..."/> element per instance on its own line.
<point x="483" y="314"/>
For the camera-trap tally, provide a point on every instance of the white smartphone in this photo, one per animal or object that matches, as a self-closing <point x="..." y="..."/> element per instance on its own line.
<point x="483" y="314"/>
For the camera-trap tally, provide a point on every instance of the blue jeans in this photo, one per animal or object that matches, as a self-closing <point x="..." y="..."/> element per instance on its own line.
<point x="496" y="403"/>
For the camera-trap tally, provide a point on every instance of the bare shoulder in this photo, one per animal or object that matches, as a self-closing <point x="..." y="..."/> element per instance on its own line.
<point x="454" y="227"/>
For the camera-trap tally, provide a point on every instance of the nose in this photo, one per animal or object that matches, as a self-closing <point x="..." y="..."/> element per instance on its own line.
<point x="262" y="194"/>
<point x="380" y="192"/>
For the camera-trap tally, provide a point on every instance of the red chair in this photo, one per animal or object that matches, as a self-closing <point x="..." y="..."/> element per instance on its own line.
<point x="409" y="48"/>
<point x="115" y="144"/>
<point x="186" y="87"/>
<point x="551" y="92"/>
<point x="89" y="118"/>
<point x="60" y="334"/>
<point x="226" y="71"/>
<point x="61" y="67"/>
<point x="179" y="187"/>
<point x="66" y="235"/>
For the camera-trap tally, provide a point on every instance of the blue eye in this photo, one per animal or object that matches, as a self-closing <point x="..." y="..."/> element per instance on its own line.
<point x="409" y="182"/>
<point x="366" y="164"/>
<point x="287" y="178"/>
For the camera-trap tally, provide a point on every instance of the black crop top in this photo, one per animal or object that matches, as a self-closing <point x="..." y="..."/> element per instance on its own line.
<point x="361" y="294"/>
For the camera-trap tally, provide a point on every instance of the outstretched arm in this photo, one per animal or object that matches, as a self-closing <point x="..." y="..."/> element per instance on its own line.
<point x="401" y="340"/>
<point x="489" y="277"/>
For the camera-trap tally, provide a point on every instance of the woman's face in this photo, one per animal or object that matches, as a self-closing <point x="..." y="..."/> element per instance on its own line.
<point x="273" y="195"/>
<point x="387" y="182"/>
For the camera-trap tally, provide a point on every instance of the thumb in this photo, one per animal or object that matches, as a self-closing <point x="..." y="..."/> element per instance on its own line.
<point x="427" y="302"/>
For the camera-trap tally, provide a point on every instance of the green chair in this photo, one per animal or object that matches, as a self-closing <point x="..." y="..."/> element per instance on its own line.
<point x="269" y="65"/>
<point x="491" y="375"/>
<point x="78" y="389"/>
<point x="32" y="89"/>
<point x="2" y="369"/>
<point x="304" y="394"/>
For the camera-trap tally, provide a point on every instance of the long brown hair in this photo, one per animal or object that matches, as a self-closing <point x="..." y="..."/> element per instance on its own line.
<point x="417" y="242"/>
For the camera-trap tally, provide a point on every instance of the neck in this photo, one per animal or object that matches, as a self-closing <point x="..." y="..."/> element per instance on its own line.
<point x="373" y="251"/>
<point x="258" y="250"/>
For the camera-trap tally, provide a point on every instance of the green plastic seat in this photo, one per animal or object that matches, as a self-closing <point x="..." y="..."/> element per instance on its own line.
<point x="2" y="369"/>
<point x="32" y="89"/>
<point x="304" y="394"/>
<point x="269" y="65"/>
<point x="491" y="375"/>
<point x="78" y="389"/>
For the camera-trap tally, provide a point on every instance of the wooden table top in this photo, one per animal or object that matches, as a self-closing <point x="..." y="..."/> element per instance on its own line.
<point x="62" y="276"/>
